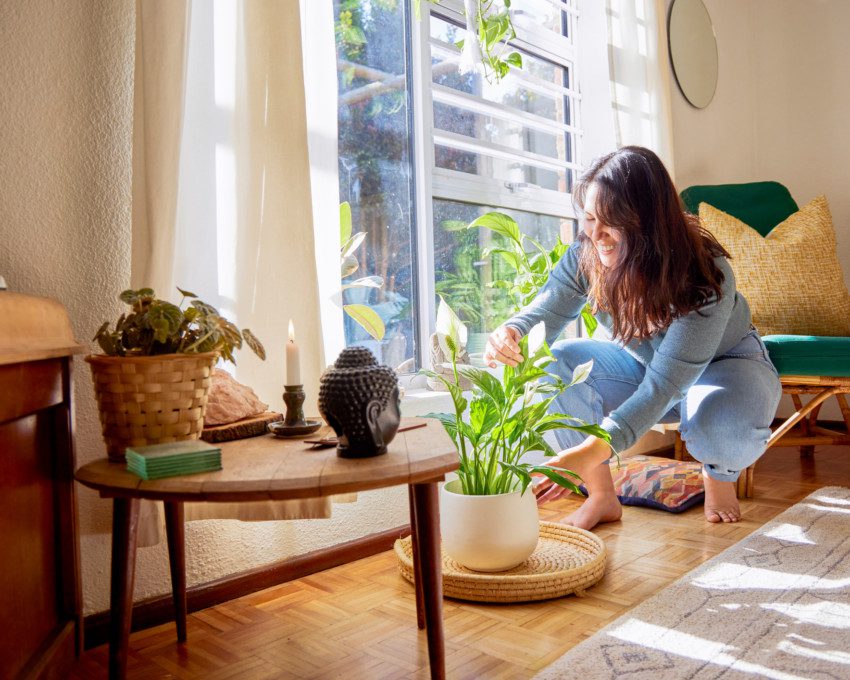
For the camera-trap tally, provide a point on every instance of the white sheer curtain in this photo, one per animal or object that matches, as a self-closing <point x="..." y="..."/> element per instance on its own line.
<point x="640" y="75"/>
<point x="159" y="88"/>
<point x="228" y="170"/>
<point x="245" y="229"/>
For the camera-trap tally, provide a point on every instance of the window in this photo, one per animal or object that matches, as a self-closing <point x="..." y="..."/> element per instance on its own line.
<point x="424" y="150"/>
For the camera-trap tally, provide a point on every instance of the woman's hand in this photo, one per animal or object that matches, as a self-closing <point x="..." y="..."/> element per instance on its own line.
<point x="581" y="459"/>
<point x="503" y="345"/>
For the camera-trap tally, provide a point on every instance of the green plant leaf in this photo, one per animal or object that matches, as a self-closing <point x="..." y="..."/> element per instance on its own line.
<point x="365" y="282"/>
<point x="500" y="223"/>
<point x="367" y="318"/>
<point x="352" y="244"/>
<point x="186" y="293"/>
<point x="486" y="382"/>
<point x="590" y="429"/>
<point x="129" y="296"/>
<point x="164" y="318"/>
<point x="344" y="222"/>
<point x="483" y="416"/>
<point x="511" y="258"/>
<point x="519" y="471"/>
<point x="560" y="479"/>
<point x="254" y="343"/>
<point x="590" y="322"/>
<point x="449" y="423"/>
<point x="514" y="58"/>
<point x="535" y="442"/>
<point x="204" y="308"/>
<point x="348" y="265"/>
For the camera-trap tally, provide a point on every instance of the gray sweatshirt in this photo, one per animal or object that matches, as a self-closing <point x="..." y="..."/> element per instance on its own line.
<point x="674" y="357"/>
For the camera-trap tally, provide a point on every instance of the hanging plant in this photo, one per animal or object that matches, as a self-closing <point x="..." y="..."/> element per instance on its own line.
<point x="485" y="48"/>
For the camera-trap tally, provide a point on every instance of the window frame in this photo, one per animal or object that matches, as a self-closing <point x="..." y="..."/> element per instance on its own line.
<point x="431" y="182"/>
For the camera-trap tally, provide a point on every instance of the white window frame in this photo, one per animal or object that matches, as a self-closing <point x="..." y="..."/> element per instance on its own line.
<point x="432" y="183"/>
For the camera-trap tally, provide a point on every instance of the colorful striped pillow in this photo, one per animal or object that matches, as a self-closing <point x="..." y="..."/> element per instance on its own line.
<point x="662" y="483"/>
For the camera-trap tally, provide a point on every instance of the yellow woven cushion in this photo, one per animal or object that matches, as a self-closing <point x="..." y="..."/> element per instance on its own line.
<point x="791" y="277"/>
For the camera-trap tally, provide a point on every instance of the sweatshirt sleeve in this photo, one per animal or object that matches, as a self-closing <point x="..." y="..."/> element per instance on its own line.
<point x="689" y="345"/>
<point x="559" y="301"/>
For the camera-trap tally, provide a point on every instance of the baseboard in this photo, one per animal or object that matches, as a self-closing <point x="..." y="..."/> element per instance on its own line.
<point x="158" y="610"/>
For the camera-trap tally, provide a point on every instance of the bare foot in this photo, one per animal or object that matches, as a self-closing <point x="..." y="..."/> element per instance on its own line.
<point x="598" y="508"/>
<point x="721" y="501"/>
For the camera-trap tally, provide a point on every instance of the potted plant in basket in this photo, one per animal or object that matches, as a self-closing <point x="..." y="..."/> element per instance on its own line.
<point x="489" y="518"/>
<point x="153" y="379"/>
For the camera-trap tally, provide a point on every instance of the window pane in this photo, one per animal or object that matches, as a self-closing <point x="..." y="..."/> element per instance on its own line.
<point x="508" y="170"/>
<point x="464" y="274"/>
<point x="542" y="13"/>
<point x="514" y="91"/>
<point x="498" y="130"/>
<point x="375" y="167"/>
<point x="488" y="123"/>
<point x="444" y="31"/>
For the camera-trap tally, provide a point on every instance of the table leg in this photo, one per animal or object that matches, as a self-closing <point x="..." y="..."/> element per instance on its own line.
<point x="125" y="524"/>
<point x="177" y="563"/>
<point x="426" y="521"/>
<point x="417" y="579"/>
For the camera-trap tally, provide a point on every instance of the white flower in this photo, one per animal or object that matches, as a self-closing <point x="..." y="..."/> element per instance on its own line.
<point x="448" y="324"/>
<point x="471" y="57"/>
<point x="536" y="338"/>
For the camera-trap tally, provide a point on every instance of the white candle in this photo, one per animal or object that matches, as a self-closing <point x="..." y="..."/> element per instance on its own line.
<point x="293" y="364"/>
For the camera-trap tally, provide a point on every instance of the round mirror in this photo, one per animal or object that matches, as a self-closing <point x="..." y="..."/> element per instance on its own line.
<point x="693" y="51"/>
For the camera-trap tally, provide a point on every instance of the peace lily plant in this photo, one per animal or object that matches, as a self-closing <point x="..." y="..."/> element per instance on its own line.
<point x="501" y="421"/>
<point x="487" y="520"/>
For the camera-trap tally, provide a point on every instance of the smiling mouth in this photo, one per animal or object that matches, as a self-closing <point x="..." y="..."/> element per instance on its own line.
<point x="605" y="250"/>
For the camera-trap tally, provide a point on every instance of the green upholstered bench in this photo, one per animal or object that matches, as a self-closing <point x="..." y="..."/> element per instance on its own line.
<point x="811" y="365"/>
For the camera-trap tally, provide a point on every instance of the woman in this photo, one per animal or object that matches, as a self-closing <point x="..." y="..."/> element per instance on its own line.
<point x="683" y="346"/>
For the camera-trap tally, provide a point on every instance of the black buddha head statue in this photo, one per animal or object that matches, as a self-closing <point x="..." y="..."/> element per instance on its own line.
<point x="359" y="399"/>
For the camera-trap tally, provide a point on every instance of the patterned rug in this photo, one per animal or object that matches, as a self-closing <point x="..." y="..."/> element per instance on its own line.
<point x="774" y="605"/>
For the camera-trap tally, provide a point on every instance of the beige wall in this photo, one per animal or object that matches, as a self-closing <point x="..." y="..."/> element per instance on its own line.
<point x="66" y="83"/>
<point x="781" y="107"/>
<point x="780" y="111"/>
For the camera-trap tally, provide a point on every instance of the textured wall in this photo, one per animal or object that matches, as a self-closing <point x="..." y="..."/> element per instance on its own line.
<point x="66" y="78"/>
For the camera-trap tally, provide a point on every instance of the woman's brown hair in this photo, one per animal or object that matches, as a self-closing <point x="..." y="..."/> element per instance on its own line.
<point x="665" y="267"/>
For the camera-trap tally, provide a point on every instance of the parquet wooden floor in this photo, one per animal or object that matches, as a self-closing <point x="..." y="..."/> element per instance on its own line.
<point x="359" y="620"/>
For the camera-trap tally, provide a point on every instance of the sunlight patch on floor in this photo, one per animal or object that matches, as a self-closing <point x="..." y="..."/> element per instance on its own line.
<point x="828" y="614"/>
<point x="691" y="647"/>
<point x="831" y="499"/>
<point x="791" y="533"/>
<point x="727" y="576"/>
<point x="826" y="508"/>
<point x="833" y="656"/>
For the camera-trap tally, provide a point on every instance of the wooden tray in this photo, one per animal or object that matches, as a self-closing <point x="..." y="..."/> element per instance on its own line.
<point x="241" y="429"/>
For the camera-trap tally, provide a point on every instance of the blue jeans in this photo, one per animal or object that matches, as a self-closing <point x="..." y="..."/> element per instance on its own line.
<point x="724" y="418"/>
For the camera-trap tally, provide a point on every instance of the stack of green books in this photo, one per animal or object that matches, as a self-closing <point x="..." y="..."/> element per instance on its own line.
<point x="172" y="459"/>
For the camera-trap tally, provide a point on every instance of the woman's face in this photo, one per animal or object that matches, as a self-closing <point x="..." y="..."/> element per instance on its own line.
<point x="605" y="240"/>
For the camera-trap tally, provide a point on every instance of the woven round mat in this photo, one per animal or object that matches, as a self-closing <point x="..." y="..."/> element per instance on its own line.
<point x="567" y="560"/>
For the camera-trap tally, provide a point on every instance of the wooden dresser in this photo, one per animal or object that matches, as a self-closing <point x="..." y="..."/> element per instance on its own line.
<point x="40" y="600"/>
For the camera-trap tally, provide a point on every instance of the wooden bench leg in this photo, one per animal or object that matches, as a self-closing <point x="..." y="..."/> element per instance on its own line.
<point x="679" y="451"/>
<point x="745" y="484"/>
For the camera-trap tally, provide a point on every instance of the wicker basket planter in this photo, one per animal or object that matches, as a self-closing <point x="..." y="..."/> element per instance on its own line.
<point x="151" y="399"/>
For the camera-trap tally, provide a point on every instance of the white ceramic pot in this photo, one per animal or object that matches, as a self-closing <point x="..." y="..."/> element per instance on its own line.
<point x="488" y="533"/>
